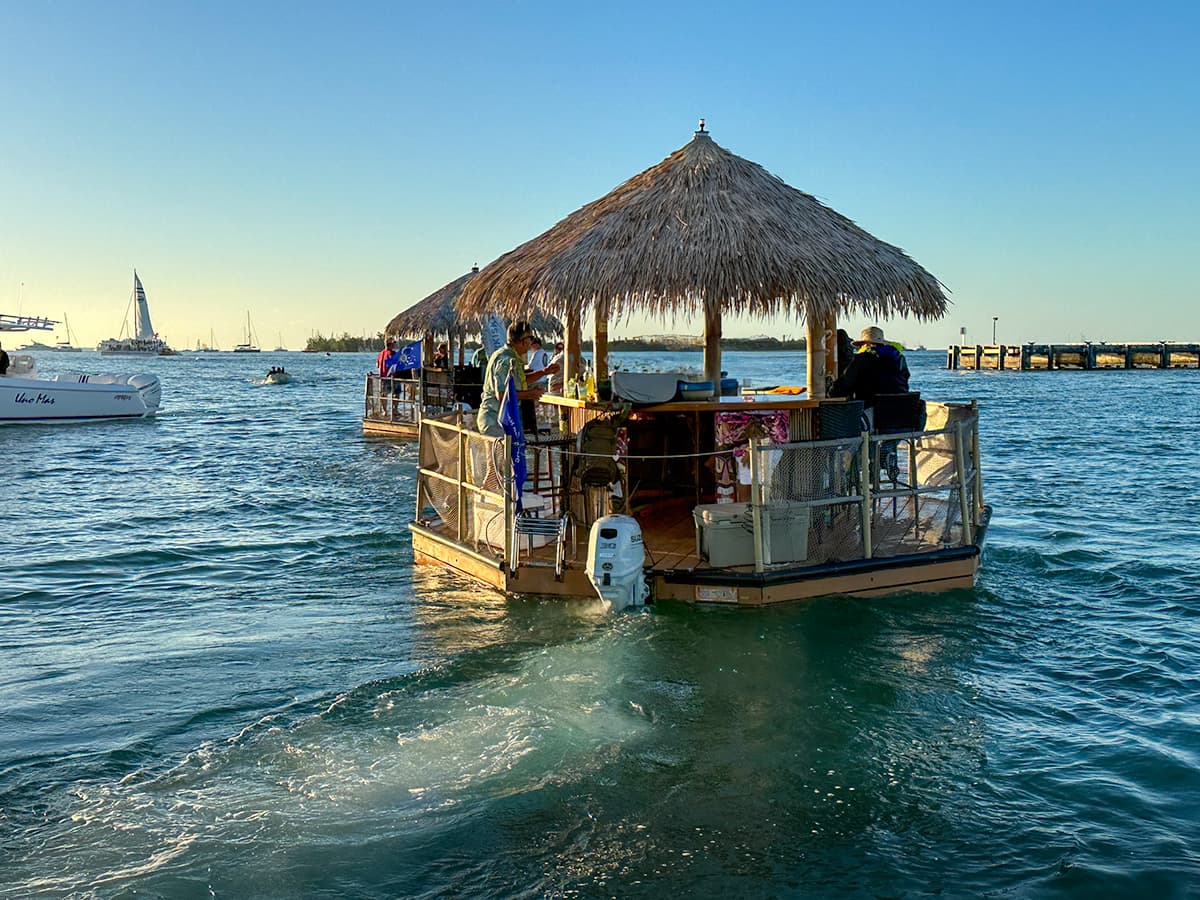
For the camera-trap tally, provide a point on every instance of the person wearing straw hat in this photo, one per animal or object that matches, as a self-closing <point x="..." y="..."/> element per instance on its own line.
<point x="877" y="367"/>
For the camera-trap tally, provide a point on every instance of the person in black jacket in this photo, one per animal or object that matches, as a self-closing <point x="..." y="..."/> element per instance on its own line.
<point x="3" y="361"/>
<point x="877" y="367"/>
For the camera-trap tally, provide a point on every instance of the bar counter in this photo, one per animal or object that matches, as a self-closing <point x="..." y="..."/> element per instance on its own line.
<point x="744" y="403"/>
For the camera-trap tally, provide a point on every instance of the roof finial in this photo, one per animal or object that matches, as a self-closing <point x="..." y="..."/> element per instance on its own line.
<point x="475" y="268"/>
<point x="701" y="130"/>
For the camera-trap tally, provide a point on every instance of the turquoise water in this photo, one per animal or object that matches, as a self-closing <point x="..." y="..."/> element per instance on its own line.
<point x="221" y="676"/>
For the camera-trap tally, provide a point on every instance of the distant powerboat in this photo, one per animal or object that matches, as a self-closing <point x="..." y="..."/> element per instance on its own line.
<point x="144" y="341"/>
<point x="27" y="399"/>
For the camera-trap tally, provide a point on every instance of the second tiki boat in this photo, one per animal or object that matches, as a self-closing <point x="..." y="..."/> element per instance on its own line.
<point x="651" y="488"/>
<point x="393" y="406"/>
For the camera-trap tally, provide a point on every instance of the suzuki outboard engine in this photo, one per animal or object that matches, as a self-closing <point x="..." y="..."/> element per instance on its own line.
<point x="615" y="559"/>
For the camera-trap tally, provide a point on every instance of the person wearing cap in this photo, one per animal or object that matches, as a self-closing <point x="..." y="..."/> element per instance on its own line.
<point x="877" y="367"/>
<point x="508" y="360"/>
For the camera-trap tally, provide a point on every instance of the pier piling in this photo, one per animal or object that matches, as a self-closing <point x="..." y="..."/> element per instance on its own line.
<point x="1084" y="356"/>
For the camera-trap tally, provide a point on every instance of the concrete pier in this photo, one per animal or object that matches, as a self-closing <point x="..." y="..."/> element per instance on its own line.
<point x="1086" y="356"/>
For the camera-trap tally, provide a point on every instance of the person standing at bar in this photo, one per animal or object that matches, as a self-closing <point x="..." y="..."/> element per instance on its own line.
<point x="508" y="360"/>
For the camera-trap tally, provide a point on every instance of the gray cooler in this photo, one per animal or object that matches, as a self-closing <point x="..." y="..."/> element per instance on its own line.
<point x="725" y="532"/>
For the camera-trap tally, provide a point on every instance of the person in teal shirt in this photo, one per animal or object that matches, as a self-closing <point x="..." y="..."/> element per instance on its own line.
<point x="508" y="360"/>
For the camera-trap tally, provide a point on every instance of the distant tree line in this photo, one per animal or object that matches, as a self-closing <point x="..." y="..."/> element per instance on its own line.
<point x="347" y="343"/>
<point x="689" y="342"/>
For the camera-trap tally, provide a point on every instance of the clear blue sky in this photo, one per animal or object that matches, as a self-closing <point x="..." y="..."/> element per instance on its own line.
<point x="324" y="166"/>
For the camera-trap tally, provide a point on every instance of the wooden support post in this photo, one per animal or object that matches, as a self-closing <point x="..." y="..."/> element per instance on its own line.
<point x="814" y="339"/>
<point x="712" y="344"/>
<point x="572" y="347"/>
<point x="600" y="342"/>
<point x="832" y="363"/>
<point x="978" y="356"/>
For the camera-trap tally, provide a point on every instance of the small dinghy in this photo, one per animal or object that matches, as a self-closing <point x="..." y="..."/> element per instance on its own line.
<point x="278" y="376"/>
<point x="26" y="398"/>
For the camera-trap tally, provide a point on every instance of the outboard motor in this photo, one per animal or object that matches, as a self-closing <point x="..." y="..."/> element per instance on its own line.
<point x="615" y="560"/>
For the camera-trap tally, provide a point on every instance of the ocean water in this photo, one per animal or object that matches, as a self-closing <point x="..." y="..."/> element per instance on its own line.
<point x="221" y="676"/>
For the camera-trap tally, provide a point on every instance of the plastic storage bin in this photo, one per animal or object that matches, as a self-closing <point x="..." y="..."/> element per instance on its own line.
<point x="787" y="523"/>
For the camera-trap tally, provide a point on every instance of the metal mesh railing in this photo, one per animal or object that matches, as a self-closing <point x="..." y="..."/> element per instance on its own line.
<point x="405" y="400"/>
<point x="888" y="495"/>
<point x="464" y="483"/>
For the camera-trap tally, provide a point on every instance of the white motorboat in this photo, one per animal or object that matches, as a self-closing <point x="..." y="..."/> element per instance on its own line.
<point x="27" y="399"/>
<point x="278" y="376"/>
<point x="144" y="341"/>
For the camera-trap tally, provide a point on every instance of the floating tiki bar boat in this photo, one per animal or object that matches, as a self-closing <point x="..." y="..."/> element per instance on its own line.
<point x="394" y="406"/>
<point x="662" y="486"/>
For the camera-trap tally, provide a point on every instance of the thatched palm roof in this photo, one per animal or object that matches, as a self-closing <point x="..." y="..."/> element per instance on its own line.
<point x="706" y="227"/>
<point x="436" y="314"/>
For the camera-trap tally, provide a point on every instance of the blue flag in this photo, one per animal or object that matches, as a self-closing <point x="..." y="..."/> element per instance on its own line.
<point x="407" y="357"/>
<point x="510" y="421"/>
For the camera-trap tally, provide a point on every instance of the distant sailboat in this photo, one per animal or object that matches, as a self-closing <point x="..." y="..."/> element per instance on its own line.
<point x="67" y="346"/>
<point x="251" y="344"/>
<point x="279" y="348"/>
<point x="143" y="341"/>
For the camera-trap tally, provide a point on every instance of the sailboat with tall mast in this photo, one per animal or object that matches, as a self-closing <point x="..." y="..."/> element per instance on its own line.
<point x="250" y="345"/>
<point x="141" y="340"/>
<point x="66" y="346"/>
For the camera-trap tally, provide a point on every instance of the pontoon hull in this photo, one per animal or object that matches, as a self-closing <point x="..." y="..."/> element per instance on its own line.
<point x="940" y="570"/>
